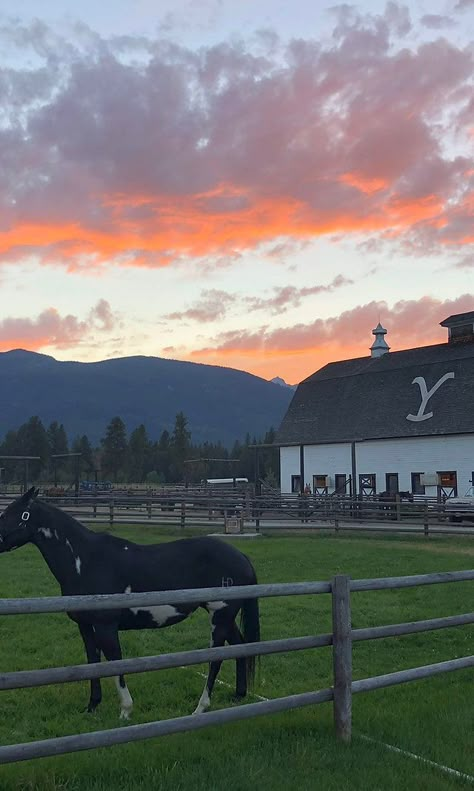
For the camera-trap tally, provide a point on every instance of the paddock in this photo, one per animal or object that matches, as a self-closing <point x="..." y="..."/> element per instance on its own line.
<point x="167" y="695"/>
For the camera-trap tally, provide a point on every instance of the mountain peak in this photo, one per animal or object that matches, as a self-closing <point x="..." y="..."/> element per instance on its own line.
<point x="277" y="380"/>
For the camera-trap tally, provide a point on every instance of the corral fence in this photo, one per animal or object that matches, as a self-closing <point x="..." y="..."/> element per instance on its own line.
<point x="239" y="510"/>
<point x="341" y="638"/>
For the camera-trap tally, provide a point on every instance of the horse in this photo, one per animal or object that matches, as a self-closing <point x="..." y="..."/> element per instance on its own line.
<point x="88" y="562"/>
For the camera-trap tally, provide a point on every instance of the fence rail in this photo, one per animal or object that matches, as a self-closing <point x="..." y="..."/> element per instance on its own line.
<point x="183" y="508"/>
<point x="341" y="639"/>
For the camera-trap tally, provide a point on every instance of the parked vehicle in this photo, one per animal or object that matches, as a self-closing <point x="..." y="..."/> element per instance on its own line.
<point x="459" y="508"/>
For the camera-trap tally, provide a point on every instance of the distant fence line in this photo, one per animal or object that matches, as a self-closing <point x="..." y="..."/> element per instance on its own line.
<point x="237" y="510"/>
<point x="341" y="639"/>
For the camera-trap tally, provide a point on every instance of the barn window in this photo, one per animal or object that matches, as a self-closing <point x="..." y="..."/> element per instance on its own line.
<point x="295" y="483"/>
<point x="391" y="482"/>
<point x="341" y="484"/>
<point x="416" y="484"/>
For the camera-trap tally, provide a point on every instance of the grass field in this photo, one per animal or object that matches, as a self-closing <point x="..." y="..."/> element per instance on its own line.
<point x="433" y="718"/>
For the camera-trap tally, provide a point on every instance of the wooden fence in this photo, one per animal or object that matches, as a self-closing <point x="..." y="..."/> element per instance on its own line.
<point x="183" y="508"/>
<point x="341" y="639"/>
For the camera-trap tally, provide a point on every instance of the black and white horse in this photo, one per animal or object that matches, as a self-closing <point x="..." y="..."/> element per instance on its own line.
<point x="85" y="562"/>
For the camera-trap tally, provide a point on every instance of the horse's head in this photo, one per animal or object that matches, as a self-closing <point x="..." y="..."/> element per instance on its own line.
<point x="15" y="523"/>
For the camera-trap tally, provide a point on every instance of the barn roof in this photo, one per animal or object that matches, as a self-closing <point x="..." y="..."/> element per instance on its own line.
<point x="371" y="398"/>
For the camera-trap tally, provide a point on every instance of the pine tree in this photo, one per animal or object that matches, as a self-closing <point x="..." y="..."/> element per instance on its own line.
<point x="33" y="441"/>
<point x="57" y="438"/>
<point x="138" y="454"/>
<point x="180" y="445"/>
<point x="83" y="446"/>
<point x="114" y="447"/>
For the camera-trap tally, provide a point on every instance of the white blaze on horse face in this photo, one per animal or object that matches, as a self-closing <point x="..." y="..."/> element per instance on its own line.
<point x="126" y="700"/>
<point x="45" y="531"/>
<point x="78" y="565"/>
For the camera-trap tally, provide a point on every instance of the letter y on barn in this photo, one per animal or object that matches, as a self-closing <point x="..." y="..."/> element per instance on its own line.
<point x="426" y="395"/>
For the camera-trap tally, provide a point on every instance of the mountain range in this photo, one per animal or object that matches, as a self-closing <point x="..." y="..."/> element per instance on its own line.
<point x="220" y="403"/>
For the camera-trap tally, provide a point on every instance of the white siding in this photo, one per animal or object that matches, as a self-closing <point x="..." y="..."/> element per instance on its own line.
<point x="423" y="454"/>
<point x="289" y="465"/>
<point x="318" y="460"/>
<point x="402" y="456"/>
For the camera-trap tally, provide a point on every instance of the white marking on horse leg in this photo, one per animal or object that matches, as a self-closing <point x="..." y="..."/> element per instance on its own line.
<point x="126" y="700"/>
<point x="215" y="605"/>
<point x="128" y="589"/>
<point x="78" y="565"/>
<point x="204" y="702"/>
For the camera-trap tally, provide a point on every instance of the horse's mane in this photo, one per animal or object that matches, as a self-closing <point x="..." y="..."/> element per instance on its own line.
<point x="62" y="518"/>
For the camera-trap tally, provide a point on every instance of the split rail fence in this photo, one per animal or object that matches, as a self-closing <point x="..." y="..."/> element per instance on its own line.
<point x="341" y="638"/>
<point x="183" y="509"/>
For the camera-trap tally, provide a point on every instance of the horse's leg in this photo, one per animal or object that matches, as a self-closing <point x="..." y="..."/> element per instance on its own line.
<point x="219" y="634"/>
<point x="234" y="637"/>
<point x="93" y="655"/>
<point x="109" y="643"/>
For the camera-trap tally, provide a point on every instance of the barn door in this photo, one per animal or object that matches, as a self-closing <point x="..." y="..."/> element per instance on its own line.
<point x="367" y="484"/>
<point x="447" y="485"/>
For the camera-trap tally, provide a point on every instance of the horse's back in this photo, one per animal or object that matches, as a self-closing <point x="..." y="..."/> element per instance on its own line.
<point x="200" y="562"/>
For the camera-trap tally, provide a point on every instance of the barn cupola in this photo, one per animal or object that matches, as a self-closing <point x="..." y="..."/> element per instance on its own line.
<point x="380" y="345"/>
<point x="460" y="327"/>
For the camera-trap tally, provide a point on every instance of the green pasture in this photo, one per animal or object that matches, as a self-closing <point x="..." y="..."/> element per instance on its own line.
<point x="433" y="718"/>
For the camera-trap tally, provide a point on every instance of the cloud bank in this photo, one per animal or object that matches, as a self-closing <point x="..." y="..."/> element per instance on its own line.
<point x="49" y="328"/>
<point x="136" y="151"/>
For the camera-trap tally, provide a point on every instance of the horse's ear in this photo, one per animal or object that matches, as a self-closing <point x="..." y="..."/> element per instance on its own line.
<point x="30" y="495"/>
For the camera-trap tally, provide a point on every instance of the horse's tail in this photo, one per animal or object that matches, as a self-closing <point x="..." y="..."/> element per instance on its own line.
<point x="250" y="628"/>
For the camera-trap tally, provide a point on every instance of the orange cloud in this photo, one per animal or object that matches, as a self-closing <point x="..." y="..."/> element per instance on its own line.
<point x="296" y="352"/>
<point x="203" y="154"/>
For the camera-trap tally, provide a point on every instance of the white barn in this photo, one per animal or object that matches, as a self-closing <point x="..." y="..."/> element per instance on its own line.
<point x="391" y="421"/>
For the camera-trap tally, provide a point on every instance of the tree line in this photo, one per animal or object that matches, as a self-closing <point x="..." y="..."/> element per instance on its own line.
<point x="133" y="458"/>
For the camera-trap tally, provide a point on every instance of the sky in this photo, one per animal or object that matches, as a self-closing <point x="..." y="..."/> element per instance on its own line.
<point x="253" y="184"/>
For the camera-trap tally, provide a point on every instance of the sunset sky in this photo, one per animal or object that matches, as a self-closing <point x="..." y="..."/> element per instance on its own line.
<point x="252" y="184"/>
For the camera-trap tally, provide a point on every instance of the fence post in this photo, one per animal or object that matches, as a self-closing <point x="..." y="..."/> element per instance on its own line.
<point x="111" y="512"/>
<point x="183" y="515"/>
<point x="426" y="521"/>
<point x="398" y="507"/>
<point x="148" y="508"/>
<point x="342" y="656"/>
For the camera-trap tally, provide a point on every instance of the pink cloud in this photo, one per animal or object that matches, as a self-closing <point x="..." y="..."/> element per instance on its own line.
<point x="409" y="322"/>
<point x="50" y="328"/>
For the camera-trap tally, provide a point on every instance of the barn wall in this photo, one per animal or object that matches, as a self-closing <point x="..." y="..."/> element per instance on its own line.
<point x="318" y="460"/>
<point x="403" y="456"/>
<point x="289" y="465"/>
<point x="423" y="454"/>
